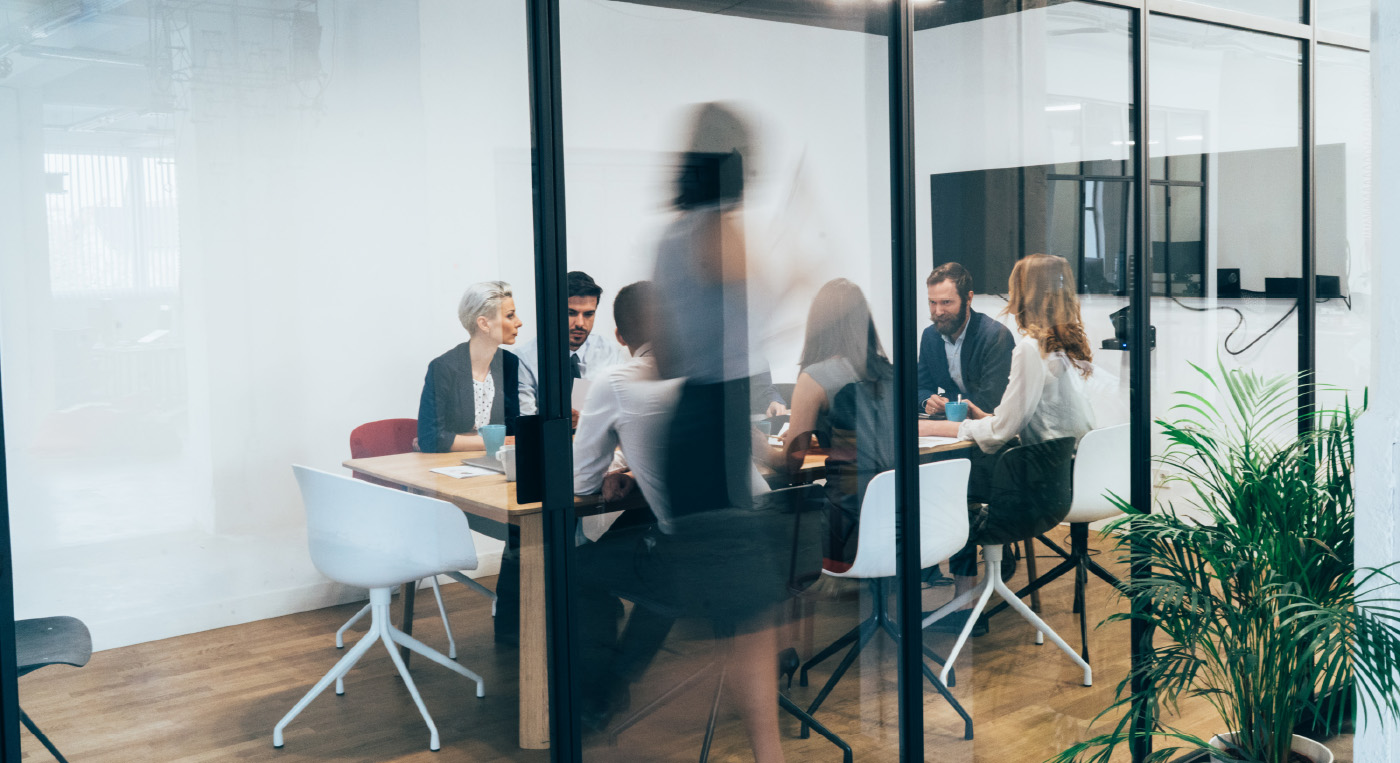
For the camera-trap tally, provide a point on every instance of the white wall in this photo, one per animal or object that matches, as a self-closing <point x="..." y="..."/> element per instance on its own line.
<point x="1378" y="433"/>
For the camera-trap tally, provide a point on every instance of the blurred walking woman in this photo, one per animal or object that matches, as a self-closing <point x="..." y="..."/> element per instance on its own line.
<point x="474" y="383"/>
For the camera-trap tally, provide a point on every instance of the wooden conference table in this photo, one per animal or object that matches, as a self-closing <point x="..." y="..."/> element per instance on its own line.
<point x="490" y="497"/>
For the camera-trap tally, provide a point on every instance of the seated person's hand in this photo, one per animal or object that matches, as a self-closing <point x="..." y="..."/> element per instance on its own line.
<point x="617" y="485"/>
<point x="939" y="428"/>
<point x="573" y="418"/>
<point x="776" y="408"/>
<point x="935" y="404"/>
<point x="973" y="412"/>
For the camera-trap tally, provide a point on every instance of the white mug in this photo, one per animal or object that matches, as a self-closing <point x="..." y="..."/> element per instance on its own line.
<point x="506" y="455"/>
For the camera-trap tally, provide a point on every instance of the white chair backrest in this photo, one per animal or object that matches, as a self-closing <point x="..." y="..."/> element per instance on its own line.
<point x="942" y="519"/>
<point x="1101" y="467"/>
<point x="371" y="536"/>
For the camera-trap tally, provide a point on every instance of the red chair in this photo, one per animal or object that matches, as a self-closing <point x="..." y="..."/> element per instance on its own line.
<point x="382" y="438"/>
<point x="386" y="438"/>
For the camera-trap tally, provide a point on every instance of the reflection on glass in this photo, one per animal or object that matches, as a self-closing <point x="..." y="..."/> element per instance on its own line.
<point x="242" y="242"/>
<point x="747" y="192"/>
<point x="1283" y="10"/>
<point x="1227" y="232"/>
<point x="1347" y="16"/>
<point x="1343" y="167"/>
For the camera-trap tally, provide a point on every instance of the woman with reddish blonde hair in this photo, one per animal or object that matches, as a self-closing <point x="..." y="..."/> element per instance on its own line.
<point x="1045" y="400"/>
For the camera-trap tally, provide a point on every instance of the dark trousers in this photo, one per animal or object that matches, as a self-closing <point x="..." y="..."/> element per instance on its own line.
<point x="627" y="562"/>
<point x="508" y="588"/>
<point x="979" y="493"/>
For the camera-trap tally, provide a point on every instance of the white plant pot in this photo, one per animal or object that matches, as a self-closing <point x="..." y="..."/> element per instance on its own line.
<point x="1314" y="750"/>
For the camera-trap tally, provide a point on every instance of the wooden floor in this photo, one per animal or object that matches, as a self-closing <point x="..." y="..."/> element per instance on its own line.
<point x="215" y="696"/>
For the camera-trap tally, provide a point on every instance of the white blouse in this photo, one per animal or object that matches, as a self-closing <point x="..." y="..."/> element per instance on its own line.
<point x="1045" y="399"/>
<point x="484" y="392"/>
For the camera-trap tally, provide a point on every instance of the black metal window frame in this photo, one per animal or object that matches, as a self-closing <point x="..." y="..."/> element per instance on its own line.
<point x="1082" y="179"/>
<point x="551" y="263"/>
<point x="1167" y="183"/>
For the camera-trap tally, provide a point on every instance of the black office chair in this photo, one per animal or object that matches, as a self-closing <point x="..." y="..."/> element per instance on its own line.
<point x="50" y="641"/>
<point x="791" y="519"/>
<point x="1030" y="493"/>
<point x="1100" y="472"/>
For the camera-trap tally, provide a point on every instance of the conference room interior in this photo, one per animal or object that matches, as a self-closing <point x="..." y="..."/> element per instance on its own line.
<point x="245" y="227"/>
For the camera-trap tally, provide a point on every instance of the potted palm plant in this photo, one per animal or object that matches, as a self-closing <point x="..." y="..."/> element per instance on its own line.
<point x="1253" y="602"/>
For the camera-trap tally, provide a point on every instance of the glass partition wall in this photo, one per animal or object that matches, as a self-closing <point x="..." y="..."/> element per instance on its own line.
<point x="738" y="354"/>
<point x="726" y="184"/>
<point x="1023" y="154"/>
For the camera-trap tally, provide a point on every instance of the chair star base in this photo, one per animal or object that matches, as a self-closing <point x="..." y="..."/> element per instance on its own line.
<point x="1078" y="561"/>
<point x="859" y="636"/>
<point x="992" y="583"/>
<point x="381" y="630"/>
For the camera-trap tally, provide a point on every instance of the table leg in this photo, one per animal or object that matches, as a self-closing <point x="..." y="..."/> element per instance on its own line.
<point x="410" y="592"/>
<point x="534" y="657"/>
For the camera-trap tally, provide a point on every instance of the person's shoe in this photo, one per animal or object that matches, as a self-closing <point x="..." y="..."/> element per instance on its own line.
<point x="955" y="621"/>
<point x="507" y="637"/>
<point x="788" y="663"/>
<point x="1010" y="559"/>
<point x="598" y="711"/>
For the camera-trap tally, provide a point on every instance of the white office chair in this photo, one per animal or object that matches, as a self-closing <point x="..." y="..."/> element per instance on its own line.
<point x="1100" y="470"/>
<point x="389" y="437"/>
<point x="376" y="537"/>
<point x="1049" y="463"/>
<point x="942" y="532"/>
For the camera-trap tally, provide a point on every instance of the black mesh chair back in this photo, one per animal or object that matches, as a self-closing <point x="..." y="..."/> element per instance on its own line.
<point x="1032" y="489"/>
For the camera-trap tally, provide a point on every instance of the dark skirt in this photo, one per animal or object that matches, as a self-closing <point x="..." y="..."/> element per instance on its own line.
<point x="729" y="555"/>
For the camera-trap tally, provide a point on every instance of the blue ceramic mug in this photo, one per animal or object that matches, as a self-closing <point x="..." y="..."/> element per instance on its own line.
<point x="495" y="436"/>
<point x="955" y="410"/>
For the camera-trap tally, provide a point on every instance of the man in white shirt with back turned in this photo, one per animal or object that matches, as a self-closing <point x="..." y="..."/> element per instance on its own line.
<point x="629" y="407"/>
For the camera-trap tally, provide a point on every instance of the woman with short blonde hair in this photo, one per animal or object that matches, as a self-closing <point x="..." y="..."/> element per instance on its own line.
<point x="482" y="301"/>
<point x="474" y="383"/>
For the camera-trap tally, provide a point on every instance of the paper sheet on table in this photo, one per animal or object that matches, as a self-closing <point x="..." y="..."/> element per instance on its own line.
<point x="459" y="472"/>
<point x="933" y="442"/>
<point x="580" y="394"/>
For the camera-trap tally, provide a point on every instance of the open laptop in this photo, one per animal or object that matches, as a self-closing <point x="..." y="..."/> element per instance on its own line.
<point x="485" y="462"/>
